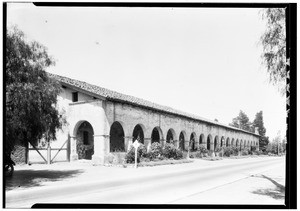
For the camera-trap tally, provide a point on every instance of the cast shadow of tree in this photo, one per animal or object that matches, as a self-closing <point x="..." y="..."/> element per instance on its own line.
<point x="276" y="193"/>
<point x="35" y="178"/>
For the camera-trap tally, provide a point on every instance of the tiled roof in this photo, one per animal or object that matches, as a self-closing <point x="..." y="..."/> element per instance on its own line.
<point x="116" y="96"/>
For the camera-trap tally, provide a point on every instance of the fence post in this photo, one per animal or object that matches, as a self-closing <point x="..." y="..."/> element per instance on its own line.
<point x="68" y="148"/>
<point x="48" y="154"/>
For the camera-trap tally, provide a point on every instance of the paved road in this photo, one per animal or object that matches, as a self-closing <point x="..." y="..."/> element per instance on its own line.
<point x="178" y="184"/>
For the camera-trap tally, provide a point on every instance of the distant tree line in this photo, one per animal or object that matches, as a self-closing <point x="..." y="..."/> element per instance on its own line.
<point x="242" y="122"/>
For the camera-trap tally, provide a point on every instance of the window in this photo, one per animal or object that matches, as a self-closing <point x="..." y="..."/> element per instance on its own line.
<point x="74" y="96"/>
<point x="85" y="138"/>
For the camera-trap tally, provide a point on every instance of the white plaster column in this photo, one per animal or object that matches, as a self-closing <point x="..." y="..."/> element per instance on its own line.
<point x="147" y="143"/>
<point x="197" y="144"/>
<point x="176" y="143"/>
<point x="162" y="142"/>
<point x="186" y="145"/>
<point x="101" y="149"/>
<point x="128" y="142"/>
<point x="73" y="154"/>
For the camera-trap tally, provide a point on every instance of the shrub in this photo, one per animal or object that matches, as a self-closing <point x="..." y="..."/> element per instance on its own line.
<point x="150" y="155"/>
<point x="245" y="152"/>
<point x="210" y="152"/>
<point x="145" y="159"/>
<point x="235" y="150"/>
<point x="170" y="151"/>
<point x="199" y="155"/>
<point x="257" y="152"/>
<point x="179" y="155"/>
<point x="130" y="156"/>
<point x="141" y="153"/>
<point x="228" y="151"/>
<point x="156" y="149"/>
<point x="253" y="148"/>
<point x="202" y="149"/>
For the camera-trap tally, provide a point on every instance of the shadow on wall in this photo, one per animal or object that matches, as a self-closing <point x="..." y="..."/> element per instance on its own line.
<point x="275" y="193"/>
<point x="35" y="178"/>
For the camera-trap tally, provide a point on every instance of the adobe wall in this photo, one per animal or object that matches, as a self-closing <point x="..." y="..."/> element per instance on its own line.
<point x="101" y="114"/>
<point x="129" y="116"/>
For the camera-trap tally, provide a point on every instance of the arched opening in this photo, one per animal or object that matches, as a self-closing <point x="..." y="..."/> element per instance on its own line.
<point x="216" y="143"/>
<point x="116" y="138"/>
<point x="138" y="134"/>
<point x="241" y="144"/>
<point x="181" y="140"/>
<point x="232" y="142"/>
<point x="170" y="136"/>
<point x="237" y="143"/>
<point x="156" y="135"/>
<point x="192" y="142"/>
<point x="209" y="140"/>
<point x="227" y="142"/>
<point x="85" y="141"/>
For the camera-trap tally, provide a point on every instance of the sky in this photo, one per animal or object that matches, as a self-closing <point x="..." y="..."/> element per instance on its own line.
<point x="204" y="61"/>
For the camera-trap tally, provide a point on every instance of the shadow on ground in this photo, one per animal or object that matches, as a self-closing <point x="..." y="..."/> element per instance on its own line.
<point x="275" y="193"/>
<point x="35" y="178"/>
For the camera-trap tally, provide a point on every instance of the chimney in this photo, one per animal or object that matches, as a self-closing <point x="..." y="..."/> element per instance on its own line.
<point x="256" y="131"/>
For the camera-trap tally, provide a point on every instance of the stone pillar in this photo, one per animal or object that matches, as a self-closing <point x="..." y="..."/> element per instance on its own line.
<point x="73" y="154"/>
<point x="212" y="146"/>
<point x="186" y="145"/>
<point x="176" y="143"/>
<point x="101" y="149"/>
<point x="197" y="144"/>
<point x="162" y="142"/>
<point x="147" y="142"/>
<point x="128" y="142"/>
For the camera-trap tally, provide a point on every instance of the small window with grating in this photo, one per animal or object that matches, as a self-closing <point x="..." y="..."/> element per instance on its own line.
<point x="74" y="96"/>
<point x="85" y="138"/>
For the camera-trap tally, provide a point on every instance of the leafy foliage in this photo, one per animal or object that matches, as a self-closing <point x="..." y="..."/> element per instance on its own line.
<point x="141" y="153"/>
<point x="31" y="96"/>
<point x="170" y="151"/>
<point x="228" y="151"/>
<point x="253" y="148"/>
<point x="156" y="149"/>
<point x="276" y="146"/>
<point x="274" y="46"/>
<point x="202" y="149"/>
<point x="259" y="123"/>
<point x="245" y="151"/>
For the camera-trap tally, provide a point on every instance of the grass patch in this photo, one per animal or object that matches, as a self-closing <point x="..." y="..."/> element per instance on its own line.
<point x="161" y="162"/>
<point x="212" y="158"/>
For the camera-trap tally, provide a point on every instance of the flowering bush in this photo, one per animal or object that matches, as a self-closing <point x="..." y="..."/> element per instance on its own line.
<point x="235" y="150"/>
<point x="245" y="151"/>
<point x="253" y="148"/>
<point x="170" y="151"/>
<point x="156" y="149"/>
<point x="228" y="151"/>
<point x="141" y="153"/>
<point x="202" y="149"/>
